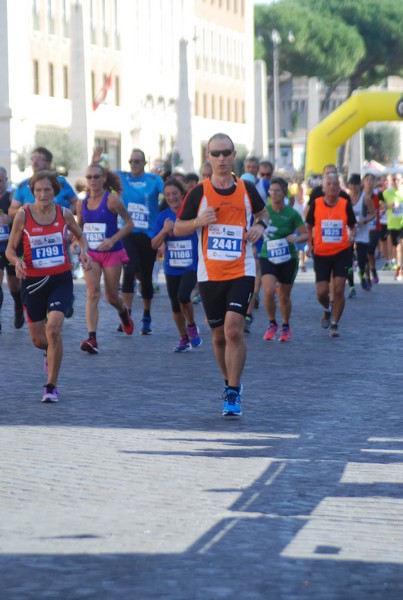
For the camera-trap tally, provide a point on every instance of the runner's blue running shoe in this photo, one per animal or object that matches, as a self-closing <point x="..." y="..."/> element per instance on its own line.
<point x="183" y="344"/>
<point x="232" y="404"/>
<point x="194" y="336"/>
<point x="146" y="326"/>
<point x="224" y="394"/>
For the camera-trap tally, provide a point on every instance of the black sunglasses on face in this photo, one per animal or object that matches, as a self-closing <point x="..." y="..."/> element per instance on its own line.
<point x="216" y="153"/>
<point x="135" y="161"/>
<point x="92" y="176"/>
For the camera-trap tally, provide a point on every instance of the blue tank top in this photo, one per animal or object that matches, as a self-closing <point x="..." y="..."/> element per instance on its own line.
<point x="100" y="224"/>
<point x="181" y="253"/>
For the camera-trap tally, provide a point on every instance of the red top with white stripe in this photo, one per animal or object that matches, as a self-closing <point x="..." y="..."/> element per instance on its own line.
<point x="44" y="248"/>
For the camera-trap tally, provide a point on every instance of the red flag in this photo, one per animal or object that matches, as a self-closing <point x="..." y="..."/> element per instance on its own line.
<point x="100" y="97"/>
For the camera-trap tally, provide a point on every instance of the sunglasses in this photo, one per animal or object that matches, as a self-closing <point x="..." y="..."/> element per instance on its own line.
<point x="135" y="161"/>
<point x="265" y="174"/>
<point x="92" y="176"/>
<point x="216" y="153"/>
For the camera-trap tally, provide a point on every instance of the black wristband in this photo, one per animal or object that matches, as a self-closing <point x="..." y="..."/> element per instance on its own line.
<point x="262" y="223"/>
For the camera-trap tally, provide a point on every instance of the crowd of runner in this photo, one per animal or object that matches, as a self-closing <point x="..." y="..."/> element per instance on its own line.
<point x="225" y="239"/>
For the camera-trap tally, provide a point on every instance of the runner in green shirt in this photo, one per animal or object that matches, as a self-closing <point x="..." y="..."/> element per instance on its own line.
<point x="393" y="197"/>
<point x="279" y="258"/>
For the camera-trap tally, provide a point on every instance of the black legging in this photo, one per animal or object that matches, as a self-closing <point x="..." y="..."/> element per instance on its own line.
<point x="361" y="251"/>
<point x="179" y="288"/>
<point x="142" y="259"/>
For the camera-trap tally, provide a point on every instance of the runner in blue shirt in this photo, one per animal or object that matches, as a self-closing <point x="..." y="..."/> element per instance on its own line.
<point x="180" y="266"/>
<point x="41" y="159"/>
<point x="140" y="195"/>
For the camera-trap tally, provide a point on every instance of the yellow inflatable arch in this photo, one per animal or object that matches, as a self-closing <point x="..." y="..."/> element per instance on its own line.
<point x="345" y="121"/>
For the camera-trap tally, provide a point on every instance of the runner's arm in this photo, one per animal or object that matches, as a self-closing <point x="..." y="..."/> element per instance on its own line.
<point x="116" y="205"/>
<point x="13" y="242"/>
<point x="80" y="238"/>
<point x="13" y="208"/>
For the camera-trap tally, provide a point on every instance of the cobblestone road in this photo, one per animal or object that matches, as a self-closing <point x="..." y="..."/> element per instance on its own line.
<point x="134" y="486"/>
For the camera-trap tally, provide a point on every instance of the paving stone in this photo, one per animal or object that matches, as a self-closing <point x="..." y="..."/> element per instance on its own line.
<point x="135" y="487"/>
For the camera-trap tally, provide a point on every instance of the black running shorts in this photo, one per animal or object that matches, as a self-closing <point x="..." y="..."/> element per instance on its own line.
<point x="41" y="295"/>
<point x="218" y="297"/>
<point x="334" y="264"/>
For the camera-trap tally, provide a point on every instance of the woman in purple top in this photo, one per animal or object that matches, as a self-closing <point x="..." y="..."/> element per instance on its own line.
<point x="98" y="215"/>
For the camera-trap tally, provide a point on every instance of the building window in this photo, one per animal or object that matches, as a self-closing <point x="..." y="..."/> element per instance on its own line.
<point x="236" y="111"/>
<point x="51" y="79"/>
<point x="35" y="15"/>
<point x="204" y="106"/>
<point x="230" y="57"/>
<point x="104" y="24"/>
<point x="205" y="50"/>
<point x="198" y="46"/>
<point x="93" y="86"/>
<point x="220" y="109"/>
<point x="116" y="24"/>
<point x="65" y="18"/>
<point x="213" y="54"/>
<point x="93" y="25"/>
<point x="117" y="91"/>
<point x="36" y="77"/>
<point x="197" y="108"/>
<point x="213" y="115"/>
<point x="65" y="82"/>
<point x="111" y="147"/>
<point x="51" y="17"/>
<point x="243" y="112"/>
<point x="236" y="59"/>
<point x="229" y="111"/>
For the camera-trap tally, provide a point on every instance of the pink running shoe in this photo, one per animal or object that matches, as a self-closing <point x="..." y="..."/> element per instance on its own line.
<point x="285" y="334"/>
<point x="271" y="332"/>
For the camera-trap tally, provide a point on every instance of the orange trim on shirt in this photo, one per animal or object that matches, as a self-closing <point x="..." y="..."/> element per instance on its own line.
<point x="330" y="213"/>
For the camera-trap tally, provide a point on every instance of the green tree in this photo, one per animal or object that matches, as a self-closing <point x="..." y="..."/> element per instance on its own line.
<point x="335" y="40"/>
<point x="382" y="143"/>
<point x="66" y="153"/>
<point x="379" y="24"/>
<point x="315" y="44"/>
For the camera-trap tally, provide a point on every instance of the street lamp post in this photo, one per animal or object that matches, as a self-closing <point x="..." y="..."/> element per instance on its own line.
<point x="276" y="39"/>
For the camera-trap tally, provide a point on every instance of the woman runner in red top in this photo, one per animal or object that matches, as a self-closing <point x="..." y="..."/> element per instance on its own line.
<point x="44" y="270"/>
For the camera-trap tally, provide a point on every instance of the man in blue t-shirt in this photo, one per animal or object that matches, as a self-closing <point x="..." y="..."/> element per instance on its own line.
<point x="140" y="195"/>
<point x="41" y="159"/>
